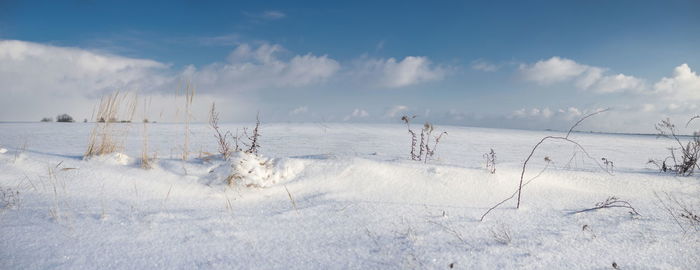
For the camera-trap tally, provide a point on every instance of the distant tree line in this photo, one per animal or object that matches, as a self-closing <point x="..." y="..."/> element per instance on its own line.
<point x="65" y="118"/>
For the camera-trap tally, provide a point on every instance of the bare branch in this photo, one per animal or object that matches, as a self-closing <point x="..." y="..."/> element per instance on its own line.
<point x="532" y="152"/>
<point x="610" y="202"/>
<point x="584" y="118"/>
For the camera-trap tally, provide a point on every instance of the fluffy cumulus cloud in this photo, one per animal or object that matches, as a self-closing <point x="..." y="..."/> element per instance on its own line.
<point x="249" y="68"/>
<point x="683" y="85"/>
<point x="559" y="70"/>
<point x="37" y="78"/>
<point x="392" y="73"/>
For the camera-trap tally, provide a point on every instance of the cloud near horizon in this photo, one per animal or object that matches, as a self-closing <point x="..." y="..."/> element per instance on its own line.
<point x="32" y="68"/>
<point x="249" y="69"/>
<point x="391" y="73"/>
<point x="71" y="76"/>
<point x="38" y="78"/>
<point x="680" y="88"/>
<point x="559" y="70"/>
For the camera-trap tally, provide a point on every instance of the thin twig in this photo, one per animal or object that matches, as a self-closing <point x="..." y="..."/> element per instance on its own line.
<point x="565" y="138"/>
<point x="294" y="203"/>
<point x="514" y="193"/>
<point x="610" y="202"/>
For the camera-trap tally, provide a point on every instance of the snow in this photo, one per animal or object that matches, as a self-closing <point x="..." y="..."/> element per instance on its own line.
<point x="337" y="196"/>
<point x="250" y="170"/>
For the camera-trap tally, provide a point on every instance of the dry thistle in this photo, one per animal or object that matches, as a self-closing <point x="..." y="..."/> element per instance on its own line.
<point x="424" y="150"/>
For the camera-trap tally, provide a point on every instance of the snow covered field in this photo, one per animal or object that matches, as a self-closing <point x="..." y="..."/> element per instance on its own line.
<point x="357" y="201"/>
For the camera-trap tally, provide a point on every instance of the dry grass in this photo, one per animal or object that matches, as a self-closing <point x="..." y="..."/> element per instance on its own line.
<point x="501" y="234"/>
<point x="105" y="136"/>
<point x="291" y="199"/>
<point x="145" y="159"/>
<point x="189" y="96"/>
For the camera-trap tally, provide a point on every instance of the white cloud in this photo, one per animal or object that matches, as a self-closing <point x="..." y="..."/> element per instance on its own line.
<point x="482" y="65"/>
<point x="41" y="80"/>
<point x="32" y="68"/>
<point x="394" y="74"/>
<point x="299" y="110"/>
<point x="685" y="84"/>
<point x="395" y="111"/>
<point x="609" y="84"/>
<point x="259" y="68"/>
<point x="559" y="70"/>
<point x="545" y="113"/>
<point x="357" y="113"/>
<point x="552" y="70"/>
<point x="273" y="15"/>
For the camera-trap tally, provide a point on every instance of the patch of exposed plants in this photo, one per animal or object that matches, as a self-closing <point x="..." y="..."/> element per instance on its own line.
<point x="683" y="157"/>
<point x="422" y="150"/>
<point x="243" y="165"/>
<point x="682" y="213"/>
<point x="490" y="159"/>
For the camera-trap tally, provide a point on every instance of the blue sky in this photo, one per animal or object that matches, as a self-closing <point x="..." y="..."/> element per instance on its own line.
<point x="520" y="64"/>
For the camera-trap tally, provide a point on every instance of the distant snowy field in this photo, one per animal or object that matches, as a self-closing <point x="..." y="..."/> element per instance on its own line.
<point x="358" y="202"/>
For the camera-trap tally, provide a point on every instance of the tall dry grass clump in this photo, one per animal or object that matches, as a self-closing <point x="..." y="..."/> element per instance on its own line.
<point x="145" y="158"/>
<point x="189" y="96"/>
<point x="108" y="136"/>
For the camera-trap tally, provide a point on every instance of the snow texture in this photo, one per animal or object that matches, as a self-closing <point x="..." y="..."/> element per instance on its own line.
<point x="338" y="196"/>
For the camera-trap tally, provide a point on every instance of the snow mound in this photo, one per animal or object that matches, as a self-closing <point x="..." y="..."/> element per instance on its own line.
<point x="113" y="158"/>
<point x="250" y="170"/>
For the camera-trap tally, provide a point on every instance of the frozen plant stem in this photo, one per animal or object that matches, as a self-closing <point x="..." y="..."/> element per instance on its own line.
<point x="254" y="145"/>
<point x="424" y="150"/>
<point x="532" y="152"/>
<point x="565" y="138"/>
<point x="610" y="202"/>
<point x="221" y="138"/>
